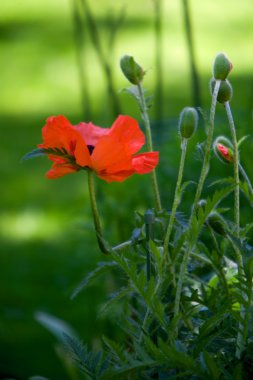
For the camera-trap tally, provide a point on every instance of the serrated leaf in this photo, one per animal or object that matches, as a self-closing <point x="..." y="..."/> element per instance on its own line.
<point x="56" y="326"/>
<point x="114" y="348"/>
<point x="101" y="268"/>
<point x="34" y="153"/>
<point x="114" y="298"/>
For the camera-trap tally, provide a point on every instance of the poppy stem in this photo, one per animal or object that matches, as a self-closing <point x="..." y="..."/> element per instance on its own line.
<point x="176" y="201"/>
<point x="236" y="168"/>
<point x="96" y="219"/>
<point x="203" y="174"/>
<point x="241" y="335"/>
<point x="144" y="113"/>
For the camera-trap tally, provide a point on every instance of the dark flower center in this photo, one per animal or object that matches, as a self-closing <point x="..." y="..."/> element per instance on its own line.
<point x="90" y="148"/>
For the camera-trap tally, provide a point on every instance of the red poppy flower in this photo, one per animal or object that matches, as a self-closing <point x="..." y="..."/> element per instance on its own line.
<point x="110" y="152"/>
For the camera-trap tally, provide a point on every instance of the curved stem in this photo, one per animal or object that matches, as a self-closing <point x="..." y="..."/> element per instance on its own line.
<point x="95" y="214"/>
<point x="241" y="335"/>
<point x="236" y="169"/>
<point x="203" y="174"/>
<point x="176" y="201"/>
<point x="145" y="116"/>
<point x="208" y="149"/>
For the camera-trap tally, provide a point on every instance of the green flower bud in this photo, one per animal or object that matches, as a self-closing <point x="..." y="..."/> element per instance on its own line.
<point x="221" y="66"/>
<point x="225" y="91"/>
<point x="131" y="69"/>
<point x="217" y="223"/>
<point x="188" y="121"/>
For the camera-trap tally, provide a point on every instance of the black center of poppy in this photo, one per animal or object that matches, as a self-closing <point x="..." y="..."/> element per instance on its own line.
<point x="90" y="148"/>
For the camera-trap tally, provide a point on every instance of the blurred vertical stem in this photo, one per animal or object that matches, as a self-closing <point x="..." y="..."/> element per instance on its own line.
<point x="146" y="120"/>
<point x="158" y="59"/>
<point x="166" y="256"/>
<point x="95" y="213"/>
<point x="190" y="45"/>
<point x="80" y="55"/>
<point x="149" y="218"/>
<point x="236" y="169"/>
<point x="241" y="335"/>
<point x="95" y="37"/>
<point x="203" y="174"/>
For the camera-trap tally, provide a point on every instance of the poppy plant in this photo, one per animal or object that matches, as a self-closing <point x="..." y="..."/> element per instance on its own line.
<point x="109" y="152"/>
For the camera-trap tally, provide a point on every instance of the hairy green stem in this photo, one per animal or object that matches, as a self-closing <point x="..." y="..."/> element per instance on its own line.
<point x="146" y="120"/>
<point x="175" y="204"/>
<point x="203" y="174"/>
<point x="241" y="336"/>
<point x="236" y="169"/>
<point x="95" y="213"/>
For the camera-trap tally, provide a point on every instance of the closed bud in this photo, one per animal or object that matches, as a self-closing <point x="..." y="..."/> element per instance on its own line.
<point x="224" y="153"/>
<point x="221" y="66"/>
<point x="131" y="69"/>
<point x="217" y="223"/>
<point x="225" y="90"/>
<point x="188" y="122"/>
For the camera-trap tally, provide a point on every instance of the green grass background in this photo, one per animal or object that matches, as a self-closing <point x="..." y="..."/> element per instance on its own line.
<point x="47" y="241"/>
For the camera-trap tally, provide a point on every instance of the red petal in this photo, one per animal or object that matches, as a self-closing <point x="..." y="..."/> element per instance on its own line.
<point x="57" y="133"/>
<point x="145" y="162"/>
<point x="116" y="177"/>
<point x="127" y="131"/>
<point x="113" y="151"/>
<point x="59" y="170"/>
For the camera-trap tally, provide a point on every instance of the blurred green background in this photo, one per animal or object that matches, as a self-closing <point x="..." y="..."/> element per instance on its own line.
<point x="47" y="241"/>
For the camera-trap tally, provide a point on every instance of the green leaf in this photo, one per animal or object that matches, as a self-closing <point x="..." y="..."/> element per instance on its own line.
<point x="56" y="326"/>
<point x="34" y="153"/>
<point x="102" y="267"/>
<point x="114" y="298"/>
<point x="211" y="365"/>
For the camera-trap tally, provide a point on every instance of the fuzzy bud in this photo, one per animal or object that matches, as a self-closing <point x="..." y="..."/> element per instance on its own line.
<point x="188" y="122"/>
<point x="224" y="153"/>
<point x="217" y="223"/>
<point x="221" y="66"/>
<point x="131" y="69"/>
<point x="225" y="91"/>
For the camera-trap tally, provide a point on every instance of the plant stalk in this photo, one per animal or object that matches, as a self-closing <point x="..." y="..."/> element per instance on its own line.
<point x="241" y="336"/>
<point x="146" y="120"/>
<point x="204" y="172"/>
<point x="175" y="204"/>
<point x="236" y="169"/>
<point x="95" y="213"/>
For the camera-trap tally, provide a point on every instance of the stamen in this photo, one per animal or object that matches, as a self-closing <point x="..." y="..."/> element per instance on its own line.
<point x="90" y="148"/>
